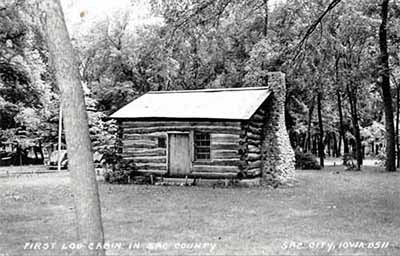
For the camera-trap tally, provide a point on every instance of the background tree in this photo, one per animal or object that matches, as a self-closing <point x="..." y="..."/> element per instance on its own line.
<point x="386" y="91"/>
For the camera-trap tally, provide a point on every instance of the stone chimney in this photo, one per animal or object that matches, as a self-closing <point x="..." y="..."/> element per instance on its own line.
<point x="279" y="158"/>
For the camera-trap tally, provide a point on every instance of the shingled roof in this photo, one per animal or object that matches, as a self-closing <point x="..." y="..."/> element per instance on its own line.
<point x="227" y="103"/>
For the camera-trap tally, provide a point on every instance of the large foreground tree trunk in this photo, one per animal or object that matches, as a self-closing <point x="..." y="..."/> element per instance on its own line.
<point x="385" y="85"/>
<point x="80" y="158"/>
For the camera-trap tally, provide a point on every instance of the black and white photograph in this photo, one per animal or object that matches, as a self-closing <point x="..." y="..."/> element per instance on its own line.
<point x="199" y="127"/>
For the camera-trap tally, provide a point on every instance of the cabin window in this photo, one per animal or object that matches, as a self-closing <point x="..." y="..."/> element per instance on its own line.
<point x="202" y="146"/>
<point x="161" y="142"/>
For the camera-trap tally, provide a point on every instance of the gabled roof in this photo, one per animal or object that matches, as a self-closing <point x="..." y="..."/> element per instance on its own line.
<point x="229" y="103"/>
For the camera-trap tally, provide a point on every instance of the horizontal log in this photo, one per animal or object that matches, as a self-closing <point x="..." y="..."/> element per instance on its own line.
<point x="146" y="152"/>
<point x="156" y="172"/>
<point x="258" y="124"/>
<point x="209" y="129"/>
<point x="145" y="136"/>
<point x="257" y="117"/>
<point x="261" y="111"/>
<point x="151" y="166"/>
<point x="222" y="135"/>
<point x="220" y="162"/>
<point x="224" y="138"/>
<point x="213" y="175"/>
<point x="157" y="152"/>
<point x="230" y="146"/>
<point x="253" y="136"/>
<point x="253" y="149"/>
<point x="211" y="168"/>
<point x="253" y="172"/>
<point x="255" y="164"/>
<point x="140" y="142"/>
<point x="137" y="146"/>
<point x="254" y="130"/>
<point x="253" y="156"/>
<point x="256" y="143"/>
<point x="149" y="160"/>
<point x="221" y="154"/>
<point x="249" y="133"/>
<point x="144" y="124"/>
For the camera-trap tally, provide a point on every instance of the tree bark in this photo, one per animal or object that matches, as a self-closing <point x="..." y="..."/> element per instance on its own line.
<point x="265" y="30"/>
<point x="356" y="127"/>
<point x="336" y="153"/>
<point x="80" y="158"/>
<point x="321" y="131"/>
<point x="328" y="144"/>
<point x="386" y="93"/>
<point x="341" y="123"/>
<point x="397" y="125"/>
<point x="308" y="138"/>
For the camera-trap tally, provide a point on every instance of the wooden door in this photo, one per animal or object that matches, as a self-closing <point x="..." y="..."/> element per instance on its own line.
<point x="179" y="154"/>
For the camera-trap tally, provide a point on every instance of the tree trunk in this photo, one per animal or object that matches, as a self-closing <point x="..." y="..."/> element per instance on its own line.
<point x="321" y="131"/>
<point x="385" y="85"/>
<point x="341" y="123"/>
<point x="328" y="144"/>
<point x="397" y="125"/>
<point x="265" y="30"/>
<point x="308" y="138"/>
<point x="314" y="147"/>
<point x="356" y="128"/>
<point x="335" y="146"/>
<point x="80" y="158"/>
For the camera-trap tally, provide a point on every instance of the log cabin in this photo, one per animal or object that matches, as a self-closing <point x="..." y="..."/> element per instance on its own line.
<point x="209" y="133"/>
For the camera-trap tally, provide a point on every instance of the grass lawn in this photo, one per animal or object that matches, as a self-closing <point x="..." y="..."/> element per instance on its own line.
<point x="328" y="206"/>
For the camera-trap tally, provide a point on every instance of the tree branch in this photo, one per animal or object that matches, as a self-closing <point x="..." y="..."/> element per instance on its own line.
<point x="311" y="29"/>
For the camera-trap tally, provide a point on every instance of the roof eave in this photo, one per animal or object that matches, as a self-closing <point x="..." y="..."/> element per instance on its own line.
<point x="177" y="118"/>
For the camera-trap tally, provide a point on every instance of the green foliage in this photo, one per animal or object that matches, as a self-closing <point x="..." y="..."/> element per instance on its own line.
<point x="306" y="161"/>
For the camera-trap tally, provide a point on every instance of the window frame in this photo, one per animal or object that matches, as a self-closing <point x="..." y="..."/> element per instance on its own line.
<point x="196" y="146"/>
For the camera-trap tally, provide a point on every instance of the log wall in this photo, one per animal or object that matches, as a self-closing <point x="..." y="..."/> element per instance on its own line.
<point x="252" y="140"/>
<point x="140" y="144"/>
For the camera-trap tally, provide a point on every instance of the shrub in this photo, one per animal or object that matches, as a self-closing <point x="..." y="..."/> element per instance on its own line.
<point x="306" y="161"/>
<point x="349" y="161"/>
<point x="121" y="171"/>
<point x="381" y="158"/>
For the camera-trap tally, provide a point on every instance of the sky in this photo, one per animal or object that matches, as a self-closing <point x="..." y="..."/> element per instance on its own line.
<point x="81" y="14"/>
<point x="73" y="9"/>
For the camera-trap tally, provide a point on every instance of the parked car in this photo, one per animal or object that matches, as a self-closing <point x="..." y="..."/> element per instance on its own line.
<point x="53" y="162"/>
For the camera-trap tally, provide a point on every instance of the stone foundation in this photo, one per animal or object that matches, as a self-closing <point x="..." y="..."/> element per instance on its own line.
<point x="278" y="155"/>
